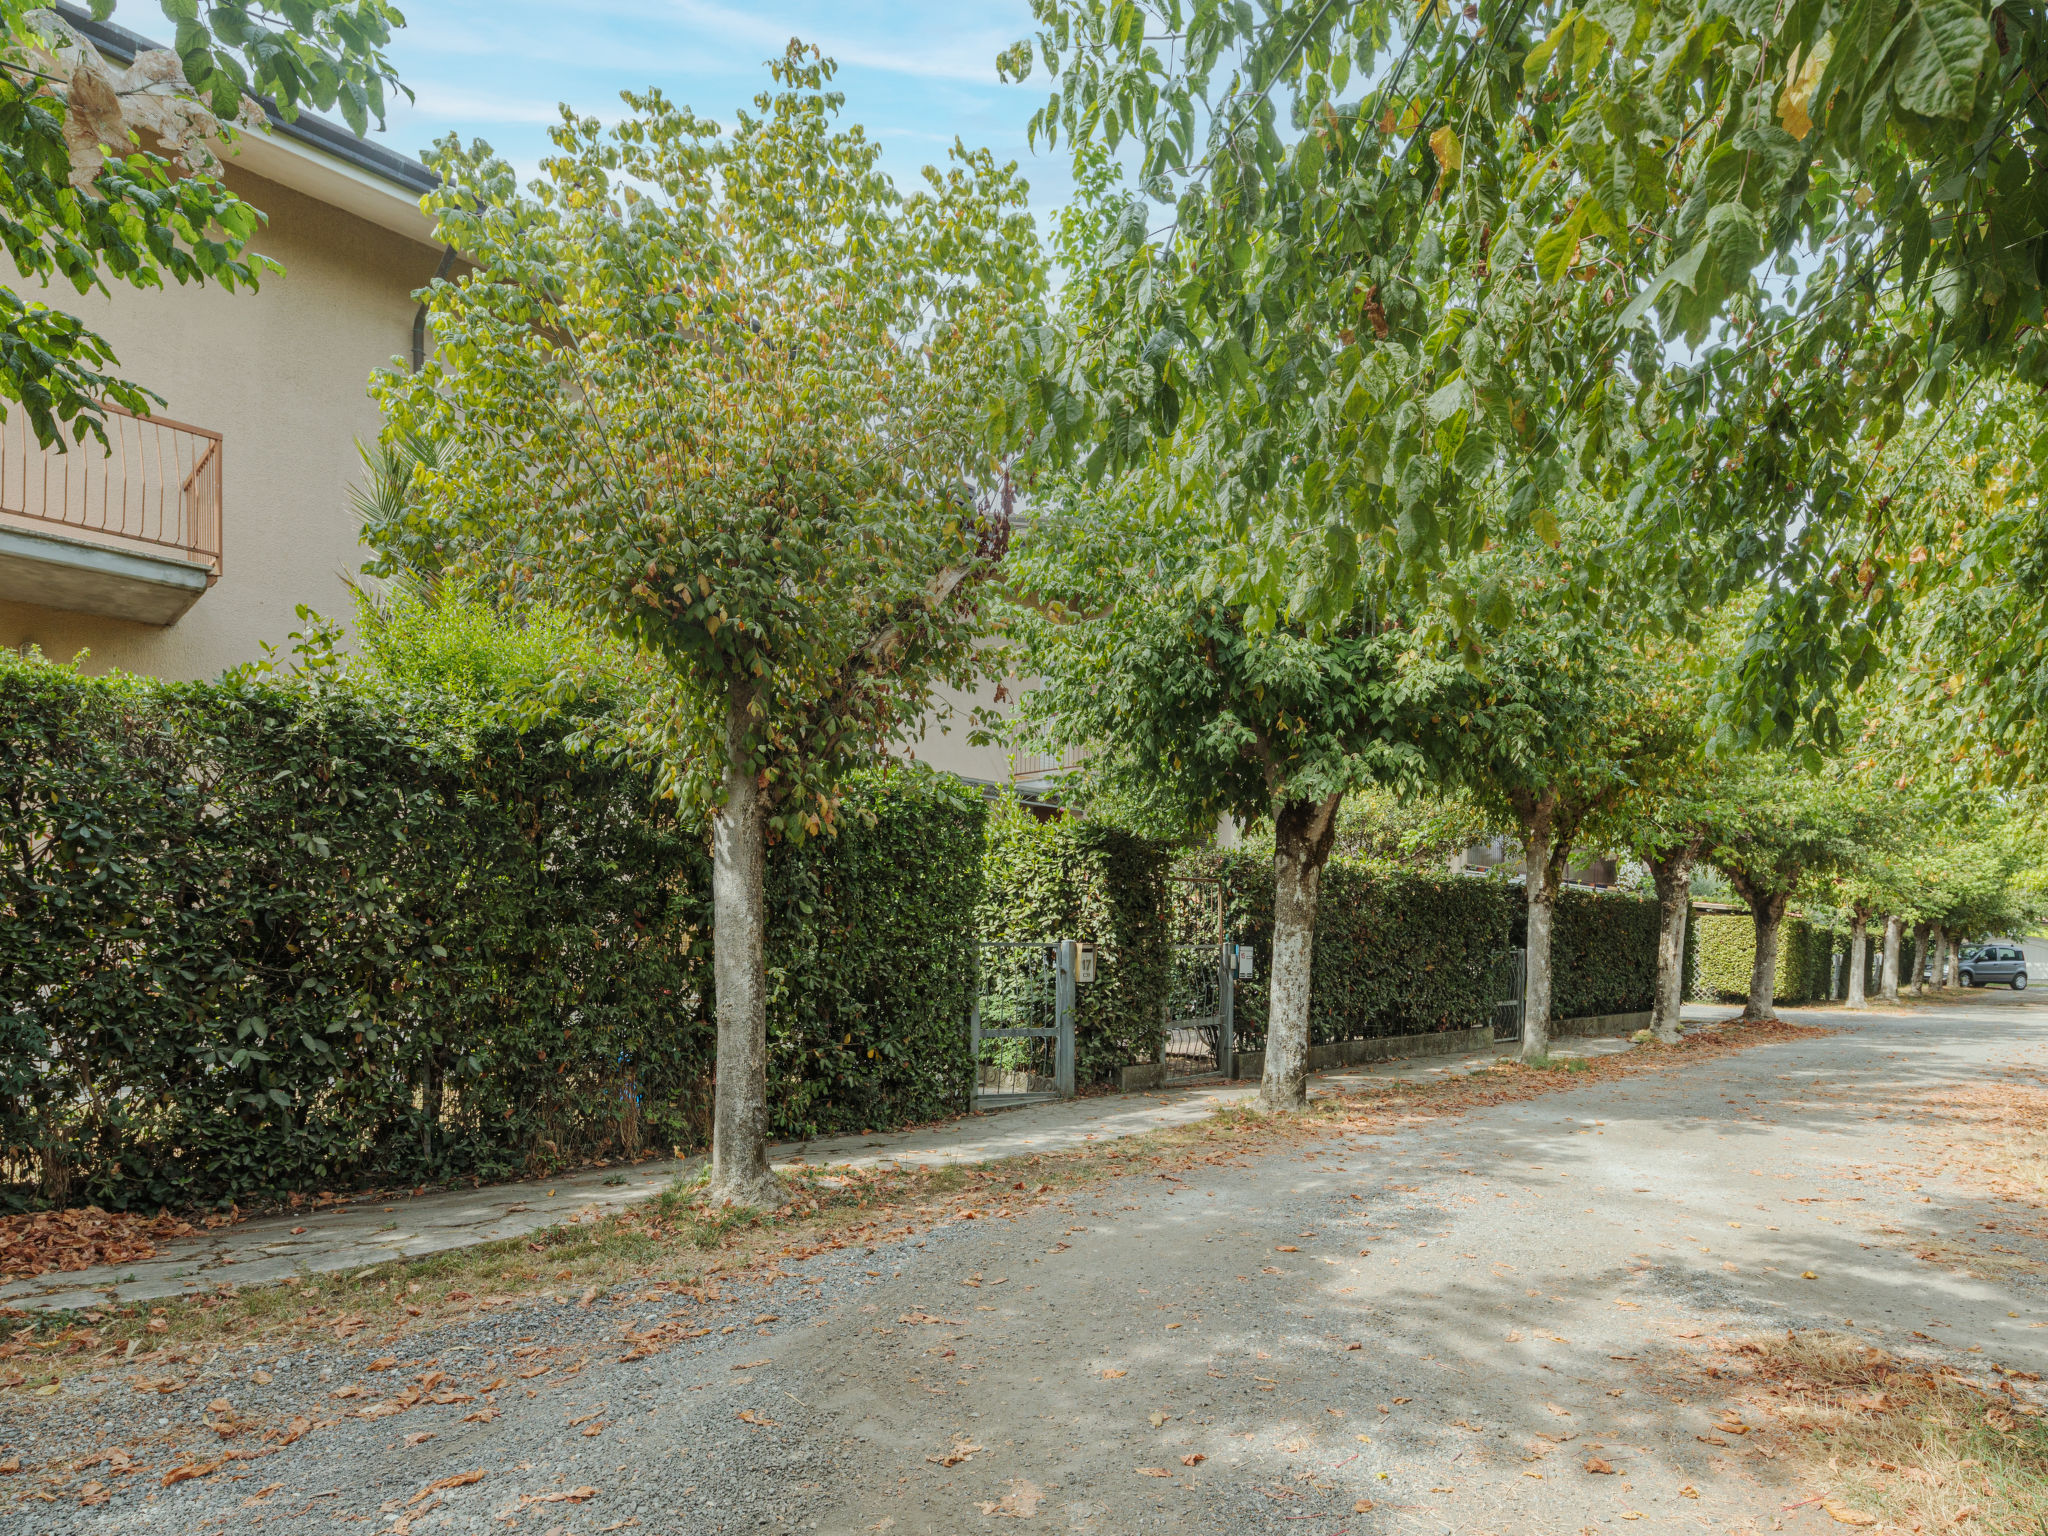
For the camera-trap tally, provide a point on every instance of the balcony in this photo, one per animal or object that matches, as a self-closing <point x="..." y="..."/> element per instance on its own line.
<point x="1041" y="768"/>
<point x="129" y="531"/>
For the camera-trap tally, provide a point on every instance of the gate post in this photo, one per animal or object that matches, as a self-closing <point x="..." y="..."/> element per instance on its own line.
<point x="974" y="1037"/>
<point x="1226" y="1029"/>
<point x="1063" y="1018"/>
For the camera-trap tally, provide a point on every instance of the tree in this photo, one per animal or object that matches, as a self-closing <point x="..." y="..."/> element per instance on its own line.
<point x="1556" y="734"/>
<point x="1188" y="710"/>
<point x="1869" y="878"/>
<point x="1773" y="828"/>
<point x="1665" y="819"/>
<point x="109" y="173"/>
<point x="1457" y="237"/>
<point x="738" y="400"/>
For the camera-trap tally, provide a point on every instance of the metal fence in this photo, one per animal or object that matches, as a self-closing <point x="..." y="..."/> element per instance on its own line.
<point x="1511" y="988"/>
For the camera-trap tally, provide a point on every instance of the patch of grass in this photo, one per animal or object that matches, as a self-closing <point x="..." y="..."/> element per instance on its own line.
<point x="1919" y="1446"/>
<point x="1548" y="1063"/>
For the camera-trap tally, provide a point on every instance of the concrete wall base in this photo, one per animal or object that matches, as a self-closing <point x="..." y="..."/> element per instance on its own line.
<point x="1600" y="1024"/>
<point x="1352" y="1053"/>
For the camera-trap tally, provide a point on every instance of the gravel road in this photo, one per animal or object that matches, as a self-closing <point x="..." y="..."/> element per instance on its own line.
<point x="1446" y="1321"/>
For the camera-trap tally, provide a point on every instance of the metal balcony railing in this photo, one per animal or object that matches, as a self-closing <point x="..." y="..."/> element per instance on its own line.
<point x="1033" y="766"/>
<point x="155" y="486"/>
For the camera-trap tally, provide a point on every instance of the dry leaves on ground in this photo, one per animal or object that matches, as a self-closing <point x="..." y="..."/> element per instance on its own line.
<point x="1891" y="1440"/>
<point x="1021" y="1501"/>
<point x="66" y="1241"/>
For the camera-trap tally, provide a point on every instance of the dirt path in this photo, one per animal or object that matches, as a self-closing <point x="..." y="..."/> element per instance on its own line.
<point x="1449" y="1322"/>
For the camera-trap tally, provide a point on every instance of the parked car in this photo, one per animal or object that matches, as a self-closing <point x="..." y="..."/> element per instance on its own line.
<point x="1984" y="964"/>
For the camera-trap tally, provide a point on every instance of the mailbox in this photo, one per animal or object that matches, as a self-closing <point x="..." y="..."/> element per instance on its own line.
<point x="1084" y="962"/>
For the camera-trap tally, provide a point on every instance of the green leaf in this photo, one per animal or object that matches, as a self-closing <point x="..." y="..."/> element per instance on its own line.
<point x="1939" y="58"/>
<point x="1557" y="251"/>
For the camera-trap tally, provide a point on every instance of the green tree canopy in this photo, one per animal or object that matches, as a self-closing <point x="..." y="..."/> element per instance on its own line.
<point x="737" y="399"/>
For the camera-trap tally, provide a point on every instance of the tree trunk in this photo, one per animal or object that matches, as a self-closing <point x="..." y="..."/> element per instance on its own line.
<point x="1940" y="958"/>
<point x="1859" y="957"/>
<point x="1920" y="933"/>
<point x="1303" y="834"/>
<point x="1768" y="915"/>
<point x="1543" y="859"/>
<point x="1894" y="931"/>
<point x="1671" y="868"/>
<point x="739" y="1132"/>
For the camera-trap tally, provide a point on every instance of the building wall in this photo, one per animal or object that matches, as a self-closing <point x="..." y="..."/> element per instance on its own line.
<point x="281" y="373"/>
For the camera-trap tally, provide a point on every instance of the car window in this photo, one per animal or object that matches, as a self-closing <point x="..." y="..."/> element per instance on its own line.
<point x="2009" y="954"/>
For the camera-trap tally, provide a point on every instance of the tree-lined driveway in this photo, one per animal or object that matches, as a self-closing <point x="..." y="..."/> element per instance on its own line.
<point x="1452" y="1320"/>
<point x="1529" y="1272"/>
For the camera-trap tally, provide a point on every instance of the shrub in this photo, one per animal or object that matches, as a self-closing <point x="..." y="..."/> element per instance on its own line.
<point x="870" y="972"/>
<point x="1074" y="879"/>
<point x="259" y="938"/>
<point x="1395" y="953"/>
<point x="1603" y="953"/>
<point x="1725" y="945"/>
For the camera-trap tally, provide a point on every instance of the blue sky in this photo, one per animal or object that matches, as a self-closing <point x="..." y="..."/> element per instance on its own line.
<point x="915" y="72"/>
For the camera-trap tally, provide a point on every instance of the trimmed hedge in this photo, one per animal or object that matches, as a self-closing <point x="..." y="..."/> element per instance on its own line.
<point x="869" y="980"/>
<point x="1603" y="953"/>
<point x="1073" y="879"/>
<point x="1725" y="943"/>
<point x="258" y="939"/>
<point x="1395" y="953"/>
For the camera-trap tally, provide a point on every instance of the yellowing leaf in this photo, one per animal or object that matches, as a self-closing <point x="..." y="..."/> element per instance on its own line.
<point x="1802" y="74"/>
<point x="1450" y="154"/>
<point x="1845" y="1515"/>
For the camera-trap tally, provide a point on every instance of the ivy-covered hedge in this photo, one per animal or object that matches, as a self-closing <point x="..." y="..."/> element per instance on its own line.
<point x="1074" y="879"/>
<point x="1395" y="953"/>
<point x="1725" y="944"/>
<point x="258" y="938"/>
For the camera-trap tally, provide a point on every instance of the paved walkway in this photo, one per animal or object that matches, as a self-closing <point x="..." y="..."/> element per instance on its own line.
<point x="367" y="1232"/>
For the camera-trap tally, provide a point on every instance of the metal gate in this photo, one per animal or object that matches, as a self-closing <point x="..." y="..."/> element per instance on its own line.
<point x="1021" y="1029"/>
<point x="1511" y="988"/>
<point x="1200" y="1039"/>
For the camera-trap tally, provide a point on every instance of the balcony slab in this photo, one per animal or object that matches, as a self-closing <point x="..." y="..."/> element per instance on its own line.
<point x="80" y="577"/>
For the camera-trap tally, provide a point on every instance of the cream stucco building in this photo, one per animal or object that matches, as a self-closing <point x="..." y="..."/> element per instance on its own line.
<point x="189" y="548"/>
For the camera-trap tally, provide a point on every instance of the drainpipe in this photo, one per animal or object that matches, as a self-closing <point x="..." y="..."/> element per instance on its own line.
<point x="419" y="320"/>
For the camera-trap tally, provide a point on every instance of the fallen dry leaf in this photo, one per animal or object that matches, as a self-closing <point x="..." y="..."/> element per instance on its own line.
<point x="1363" y="1506"/>
<point x="959" y="1451"/>
<point x="1194" y="1460"/>
<point x="1846" y="1515"/>
<point x="1112" y="1375"/>
<point x="759" y="1421"/>
<point x="439" y="1484"/>
<point x="1021" y="1501"/>
<point x="1151" y="1471"/>
<point x="1595" y="1464"/>
<point x="1688" y="1492"/>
